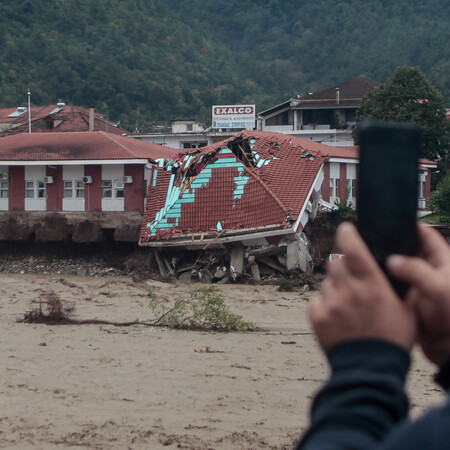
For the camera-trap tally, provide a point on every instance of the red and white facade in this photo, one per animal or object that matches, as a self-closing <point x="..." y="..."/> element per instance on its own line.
<point x="341" y="177"/>
<point x="90" y="171"/>
<point x="62" y="186"/>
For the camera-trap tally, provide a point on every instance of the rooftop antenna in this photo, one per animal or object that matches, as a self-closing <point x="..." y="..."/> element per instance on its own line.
<point x="29" y="111"/>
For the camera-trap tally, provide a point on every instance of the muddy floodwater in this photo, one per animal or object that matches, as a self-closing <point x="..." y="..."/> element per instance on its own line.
<point x="108" y="387"/>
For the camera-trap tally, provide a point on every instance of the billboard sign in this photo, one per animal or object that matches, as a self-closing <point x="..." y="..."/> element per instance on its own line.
<point x="234" y="116"/>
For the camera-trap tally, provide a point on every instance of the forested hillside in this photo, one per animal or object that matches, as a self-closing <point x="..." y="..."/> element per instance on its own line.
<point x="154" y="60"/>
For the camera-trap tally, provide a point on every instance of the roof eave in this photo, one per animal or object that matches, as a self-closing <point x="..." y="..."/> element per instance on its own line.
<point x="74" y="162"/>
<point x="274" y="108"/>
<point x="194" y="240"/>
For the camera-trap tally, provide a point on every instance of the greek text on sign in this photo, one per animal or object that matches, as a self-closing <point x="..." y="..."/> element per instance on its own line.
<point x="233" y="116"/>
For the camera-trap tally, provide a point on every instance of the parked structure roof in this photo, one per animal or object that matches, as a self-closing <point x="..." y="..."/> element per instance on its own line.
<point x="96" y="145"/>
<point x="250" y="181"/>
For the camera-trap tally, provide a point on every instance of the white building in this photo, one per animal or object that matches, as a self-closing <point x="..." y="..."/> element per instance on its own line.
<point x="327" y="116"/>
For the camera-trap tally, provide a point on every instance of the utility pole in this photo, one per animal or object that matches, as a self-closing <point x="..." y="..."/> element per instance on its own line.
<point x="29" y="111"/>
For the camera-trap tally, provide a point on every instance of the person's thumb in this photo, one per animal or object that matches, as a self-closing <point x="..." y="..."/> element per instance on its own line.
<point x="416" y="272"/>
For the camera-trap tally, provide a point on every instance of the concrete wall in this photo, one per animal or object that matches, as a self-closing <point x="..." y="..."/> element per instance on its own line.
<point x="69" y="226"/>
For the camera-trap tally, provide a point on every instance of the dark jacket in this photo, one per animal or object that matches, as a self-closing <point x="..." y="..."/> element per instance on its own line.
<point x="364" y="404"/>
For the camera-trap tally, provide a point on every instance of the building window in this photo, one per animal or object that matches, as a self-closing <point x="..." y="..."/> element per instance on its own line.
<point x="40" y="189"/>
<point x="73" y="189"/>
<point x="109" y="192"/>
<point x="3" y="189"/>
<point x="118" y="189"/>
<point x="107" y="188"/>
<point x="194" y="144"/>
<point x="350" y="116"/>
<point x="79" y="189"/>
<point x="35" y="189"/>
<point x="351" y="187"/>
<point x="284" y="118"/>
<point x="317" y="116"/>
<point x="68" y="189"/>
<point x="334" y="187"/>
<point x="421" y="189"/>
<point x="29" y="189"/>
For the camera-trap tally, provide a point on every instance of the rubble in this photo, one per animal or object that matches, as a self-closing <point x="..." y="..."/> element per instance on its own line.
<point x="264" y="264"/>
<point x="49" y="265"/>
<point x="212" y="266"/>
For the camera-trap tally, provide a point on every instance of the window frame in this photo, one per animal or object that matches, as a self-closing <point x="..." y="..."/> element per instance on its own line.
<point x="76" y="187"/>
<point x="119" y="191"/>
<point x="36" y="188"/>
<point x="351" y="187"/>
<point x="4" y="189"/>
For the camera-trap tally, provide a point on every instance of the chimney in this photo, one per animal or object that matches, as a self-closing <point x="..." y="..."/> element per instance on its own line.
<point x="337" y="96"/>
<point x="91" y="118"/>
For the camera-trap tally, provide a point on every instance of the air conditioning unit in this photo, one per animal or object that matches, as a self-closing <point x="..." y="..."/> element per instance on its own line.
<point x="127" y="179"/>
<point x="3" y="176"/>
<point x="87" y="180"/>
<point x="48" y="180"/>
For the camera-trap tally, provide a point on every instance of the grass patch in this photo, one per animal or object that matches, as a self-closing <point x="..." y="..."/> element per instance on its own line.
<point x="435" y="219"/>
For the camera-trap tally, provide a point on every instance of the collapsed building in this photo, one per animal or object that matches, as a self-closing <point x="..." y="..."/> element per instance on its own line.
<point x="245" y="200"/>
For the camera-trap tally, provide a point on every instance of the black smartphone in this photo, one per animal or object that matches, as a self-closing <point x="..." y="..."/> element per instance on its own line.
<point x="388" y="191"/>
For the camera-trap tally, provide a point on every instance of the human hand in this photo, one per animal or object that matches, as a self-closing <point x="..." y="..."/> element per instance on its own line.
<point x="429" y="277"/>
<point x="357" y="300"/>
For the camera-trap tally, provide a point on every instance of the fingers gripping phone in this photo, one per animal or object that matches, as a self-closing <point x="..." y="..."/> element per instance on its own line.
<point x="388" y="191"/>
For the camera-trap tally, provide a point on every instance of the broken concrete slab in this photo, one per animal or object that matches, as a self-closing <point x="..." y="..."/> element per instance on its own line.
<point x="237" y="260"/>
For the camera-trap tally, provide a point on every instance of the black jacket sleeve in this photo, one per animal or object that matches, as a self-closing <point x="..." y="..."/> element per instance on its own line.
<point x="363" y="400"/>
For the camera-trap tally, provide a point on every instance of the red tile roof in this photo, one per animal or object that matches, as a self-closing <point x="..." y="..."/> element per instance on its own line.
<point x="428" y="162"/>
<point x="37" y="112"/>
<point x="65" y="119"/>
<point x="95" y="145"/>
<point x="351" y="152"/>
<point x="215" y="184"/>
<point x="350" y="94"/>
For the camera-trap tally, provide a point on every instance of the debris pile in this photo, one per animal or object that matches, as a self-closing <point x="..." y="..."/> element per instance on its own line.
<point x="228" y="265"/>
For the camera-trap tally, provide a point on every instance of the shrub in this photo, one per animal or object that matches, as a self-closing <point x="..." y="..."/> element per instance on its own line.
<point x="440" y="201"/>
<point x="205" y="309"/>
<point x="51" y="310"/>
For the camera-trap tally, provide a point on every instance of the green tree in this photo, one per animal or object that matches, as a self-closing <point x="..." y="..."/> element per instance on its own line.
<point x="408" y="97"/>
<point x="441" y="199"/>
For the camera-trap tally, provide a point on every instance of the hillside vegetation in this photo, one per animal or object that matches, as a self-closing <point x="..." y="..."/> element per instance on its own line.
<point x="140" y="61"/>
